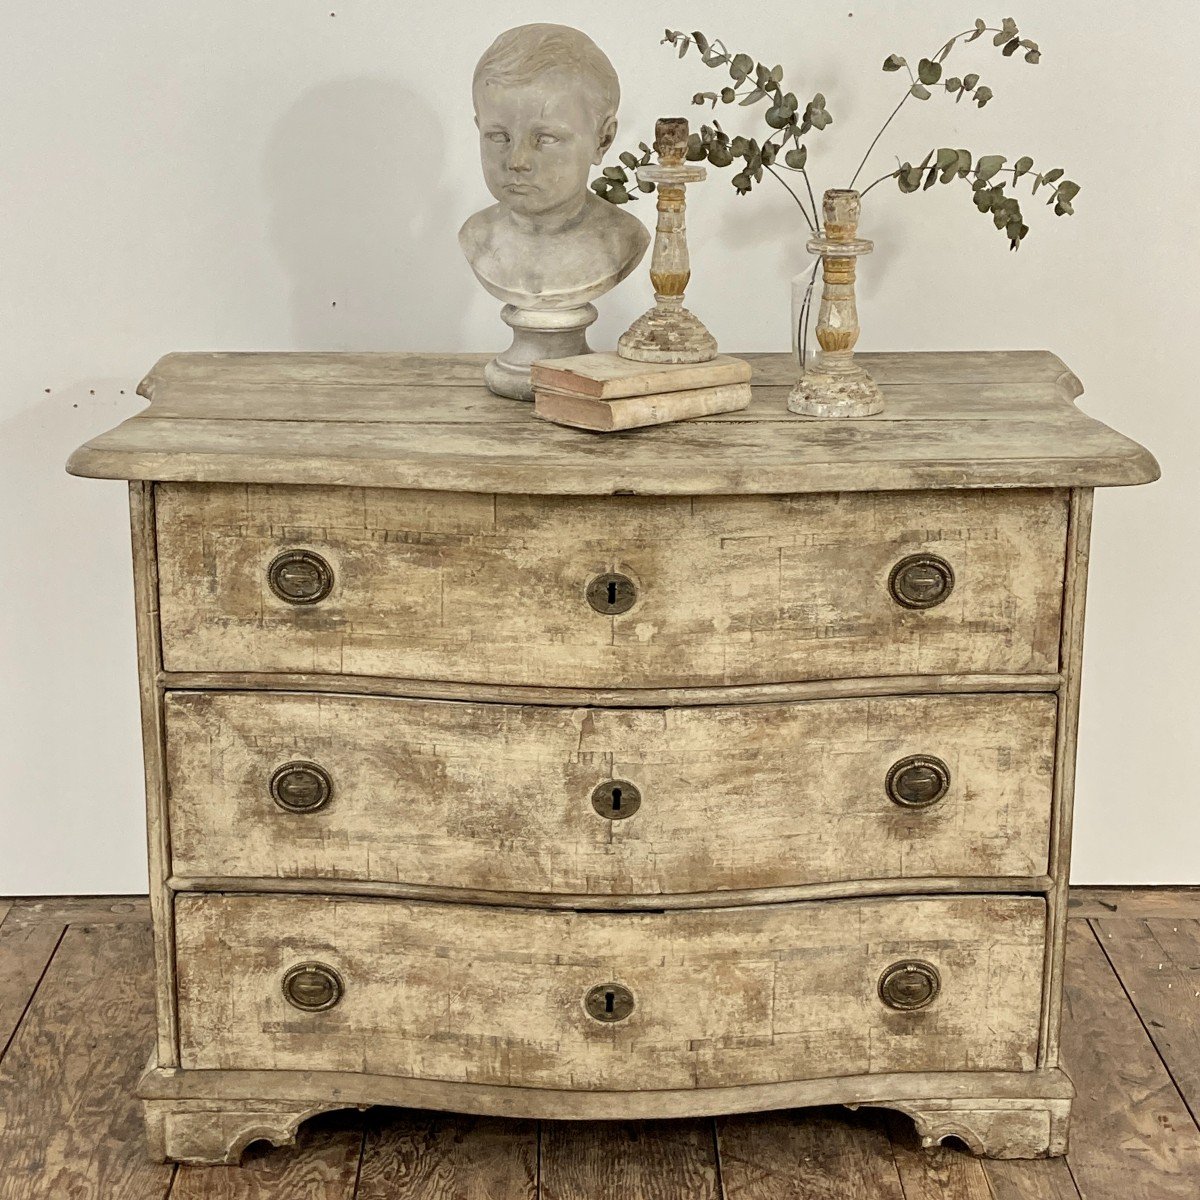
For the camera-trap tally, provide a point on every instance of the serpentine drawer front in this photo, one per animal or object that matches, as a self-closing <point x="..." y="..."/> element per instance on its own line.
<point x="498" y="767"/>
<point x="761" y="994"/>
<point x="608" y="802"/>
<point x="586" y="592"/>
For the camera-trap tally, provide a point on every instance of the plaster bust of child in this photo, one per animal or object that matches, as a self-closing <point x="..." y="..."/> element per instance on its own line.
<point x="546" y="100"/>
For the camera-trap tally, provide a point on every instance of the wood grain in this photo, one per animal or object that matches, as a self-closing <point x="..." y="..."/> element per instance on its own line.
<point x="472" y="442"/>
<point x="322" y="1165"/>
<point x="1175" y="903"/>
<point x="435" y="1156"/>
<point x="728" y="996"/>
<point x="1131" y="1135"/>
<point x="69" y="1122"/>
<point x="606" y="1160"/>
<point x="1158" y="962"/>
<point x="25" y="952"/>
<point x="936" y="1172"/>
<point x="497" y="797"/>
<point x="80" y="910"/>
<point x="730" y="590"/>
<point x="819" y="1154"/>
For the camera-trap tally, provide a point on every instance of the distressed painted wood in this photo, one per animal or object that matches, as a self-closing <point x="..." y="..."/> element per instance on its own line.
<point x="158" y="850"/>
<point x="466" y="697"/>
<point x="736" y="996"/>
<point x="321" y="1164"/>
<point x="463" y="448"/>
<point x="729" y="590"/>
<point x="499" y="797"/>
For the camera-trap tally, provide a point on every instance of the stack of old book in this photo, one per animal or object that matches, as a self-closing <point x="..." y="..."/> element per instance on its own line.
<point x="605" y="392"/>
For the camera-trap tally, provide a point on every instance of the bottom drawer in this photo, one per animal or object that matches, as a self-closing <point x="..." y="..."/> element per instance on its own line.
<point x="621" y="1001"/>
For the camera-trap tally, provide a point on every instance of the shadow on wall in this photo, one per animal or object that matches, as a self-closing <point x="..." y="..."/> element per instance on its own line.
<point x="363" y="220"/>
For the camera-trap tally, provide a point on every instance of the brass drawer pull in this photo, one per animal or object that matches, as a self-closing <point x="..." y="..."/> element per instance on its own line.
<point x="609" y="1002"/>
<point x="301" y="787"/>
<point x="921" y="581"/>
<point x="918" y="781"/>
<point x="612" y="593"/>
<point x="312" y="987"/>
<point x="909" y="985"/>
<point x="300" y="577"/>
<point x="616" y="799"/>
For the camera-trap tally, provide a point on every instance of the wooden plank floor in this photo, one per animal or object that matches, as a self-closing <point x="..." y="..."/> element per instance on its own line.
<point x="75" y="1028"/>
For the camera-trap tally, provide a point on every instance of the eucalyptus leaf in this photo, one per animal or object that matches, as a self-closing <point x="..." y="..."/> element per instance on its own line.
<point x="701" y="41"/>
<point x="894" y="62"/>
<point x="920" y="91"/>
<point x="1011" y="48"/>
<point x="980" y="29"/>
<point x="682" y="51"/>
<point x="796" y="158"/>
<point x="988" y="165"/>
<point x="615" y="173"/>
<point x="719" y="155"/>
<point x="741" y="66"/>
<point x="954" y="84"/>
<point x="982" y="95"/>
<point x="928" y="71"/>
<point x="969" y="81"/>
<point x="753" y="98"/>
<point x="1021" y="167"/>
<point x="1051" y="176"/>
<point x="728" y="95"/>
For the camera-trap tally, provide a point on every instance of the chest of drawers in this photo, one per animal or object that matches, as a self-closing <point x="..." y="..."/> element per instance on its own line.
<point x="503" y="768"/>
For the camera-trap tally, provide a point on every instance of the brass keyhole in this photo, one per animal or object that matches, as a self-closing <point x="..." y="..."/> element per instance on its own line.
<point x="612" y="593"/>
<point x="608" y="1002"/>
<point x="616" y="799"/>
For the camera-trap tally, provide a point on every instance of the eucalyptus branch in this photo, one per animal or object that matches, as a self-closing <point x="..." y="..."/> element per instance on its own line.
<point x="752" y="83"/>
<point x="803" y="210"/>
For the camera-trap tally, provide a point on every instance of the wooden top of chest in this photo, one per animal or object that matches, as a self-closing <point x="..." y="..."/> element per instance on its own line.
<point x="952" y="420"/>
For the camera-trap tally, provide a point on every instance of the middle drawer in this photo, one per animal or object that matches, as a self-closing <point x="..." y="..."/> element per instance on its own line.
<point x="607" y="802"/>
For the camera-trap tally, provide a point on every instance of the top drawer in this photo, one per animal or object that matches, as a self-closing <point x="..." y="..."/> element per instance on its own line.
<point x="609" y="591"/>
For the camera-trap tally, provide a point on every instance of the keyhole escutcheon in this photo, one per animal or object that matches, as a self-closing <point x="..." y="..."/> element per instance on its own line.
<point x="612" y="593"/>
<point x="608" y="1002"/>
<point x="616" y="799"/>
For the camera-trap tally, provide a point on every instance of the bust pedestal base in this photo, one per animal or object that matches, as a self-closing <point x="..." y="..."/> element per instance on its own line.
<point x="537" y="333"/>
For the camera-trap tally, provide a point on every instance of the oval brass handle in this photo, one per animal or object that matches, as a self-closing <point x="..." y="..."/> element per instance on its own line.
<point x="301" y="787"/>
<point x="909" y="985"/>
<point x="608" y="1002"/>
<point x="312" y="986"/>
<point x="612" y="593"/>
<point x="300" y="577"/>
<point x="616" y="799"/>
<point x="918" y="781"/>
<point x="921" y="581"/>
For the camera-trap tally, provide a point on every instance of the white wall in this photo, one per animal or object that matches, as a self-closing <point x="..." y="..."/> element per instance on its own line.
<point x="291" y="175"/>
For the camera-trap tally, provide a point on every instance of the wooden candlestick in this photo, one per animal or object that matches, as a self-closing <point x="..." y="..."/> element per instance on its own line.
<point x="837" y="386"/>
<point x="669" y="333"/>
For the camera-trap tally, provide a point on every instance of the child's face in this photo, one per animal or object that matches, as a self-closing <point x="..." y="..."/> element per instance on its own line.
<point x="537" y="142"/>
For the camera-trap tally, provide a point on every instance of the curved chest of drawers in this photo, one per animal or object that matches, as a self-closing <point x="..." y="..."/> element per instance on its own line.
<point x="476" y="784"/>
